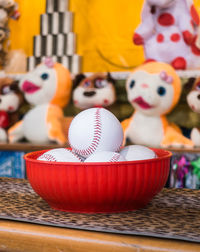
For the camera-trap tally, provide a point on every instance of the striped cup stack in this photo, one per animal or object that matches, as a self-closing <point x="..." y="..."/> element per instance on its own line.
<point x="56" y="38"/>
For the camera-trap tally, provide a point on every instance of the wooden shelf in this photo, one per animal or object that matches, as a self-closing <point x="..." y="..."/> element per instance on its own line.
<point x="185" y="150"/>
<point x="27" y="147"/>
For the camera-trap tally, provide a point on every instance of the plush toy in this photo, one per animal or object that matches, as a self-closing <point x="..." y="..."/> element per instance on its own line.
<point x="169" y="33"/>
<point x="10" y="101"/>
<point x="153" y="89"/>
<point x="47" y="88"/>
<point x="4" y="33"/>
<point x="11" y="7"/>
<point x="95" y="90"/>
<point x="15" y="62"/>
<point x="3" y="18"/>
<point x="8" y="9"/>
<point x="193" y="100"/>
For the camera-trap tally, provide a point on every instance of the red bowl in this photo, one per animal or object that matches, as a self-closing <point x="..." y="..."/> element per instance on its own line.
<point x="98" y="187"/>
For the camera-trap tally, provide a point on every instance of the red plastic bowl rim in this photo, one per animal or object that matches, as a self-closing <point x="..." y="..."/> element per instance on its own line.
<point x="166" y="154"/>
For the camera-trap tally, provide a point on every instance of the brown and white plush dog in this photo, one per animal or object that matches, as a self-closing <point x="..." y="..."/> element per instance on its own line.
<point x="193" y="100"/>
<point x="10" y="101"/>
<point x="97" y="90"/>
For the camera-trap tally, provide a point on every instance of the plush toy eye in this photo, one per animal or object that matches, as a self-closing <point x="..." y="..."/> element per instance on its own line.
<point x="86" y="84"/>
<point x="161" y="91"/>
<point x="99" y="83"/>
<point x="5" y="89"/>
<point x="44" y="76"/>
<point x="198" y="86"/>
<point x="132" y="84"/>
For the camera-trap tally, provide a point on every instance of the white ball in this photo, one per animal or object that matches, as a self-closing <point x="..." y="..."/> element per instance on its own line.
<point x="137" y="152"/>
<point x="95" y="129"/>
<point x="59" y="155"/>
<point x="105" y="156"/>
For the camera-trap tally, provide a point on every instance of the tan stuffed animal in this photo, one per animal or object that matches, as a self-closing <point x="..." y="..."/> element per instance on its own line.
<point x="153" y="89"/>
<point x="47" y="88"/>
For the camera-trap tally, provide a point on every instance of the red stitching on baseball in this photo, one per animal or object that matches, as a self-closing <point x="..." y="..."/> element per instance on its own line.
<point x="74" y="154"/>
<point x="96" y="137"/>
<point x="48" y="157"/>
<point x="115" y="158"/>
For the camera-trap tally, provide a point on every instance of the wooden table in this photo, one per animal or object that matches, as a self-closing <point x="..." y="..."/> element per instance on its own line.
<point x="25" y="237"/>
<point x="171" y="222"/>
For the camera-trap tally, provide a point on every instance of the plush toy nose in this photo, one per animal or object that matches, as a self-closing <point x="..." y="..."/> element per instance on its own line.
<point x="198" y="96"/>
<point x="144" y="85"/>
<point x="89" y="93"/>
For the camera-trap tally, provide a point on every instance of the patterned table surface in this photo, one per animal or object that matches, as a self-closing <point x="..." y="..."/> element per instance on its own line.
<point x="172" y="214"/>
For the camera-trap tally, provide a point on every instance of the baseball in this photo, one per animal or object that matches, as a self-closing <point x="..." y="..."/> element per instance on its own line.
<point x="105" y="156"/>
<point x="95" y="129"/>
<point x="59" y="155"/>
<point x="137" y="152"/>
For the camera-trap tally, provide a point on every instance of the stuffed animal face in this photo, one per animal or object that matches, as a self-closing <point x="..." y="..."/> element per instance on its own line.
<point x="96" y="90"/>
<point x="39" y="86"/>
<point x="153" y="88"/>
<point x="193" y="97"/>
<point x="49" y="82"/>
<point x="149" y="93"/>
<point x="9" y="98"/>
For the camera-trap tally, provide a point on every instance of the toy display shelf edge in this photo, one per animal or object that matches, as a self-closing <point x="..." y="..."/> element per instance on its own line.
<point x="181" y="73"/>
<point x="27" y="147"/>
<point x="123" y="75"/>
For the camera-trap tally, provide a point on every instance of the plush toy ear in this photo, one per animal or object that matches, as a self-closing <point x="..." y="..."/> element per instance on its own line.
<point x="110" y="79"/>
<point x="48" y="61"/>
<point x="189" y="84"/>
<point x="78" y="79"/>
<point x="15" y="86"/>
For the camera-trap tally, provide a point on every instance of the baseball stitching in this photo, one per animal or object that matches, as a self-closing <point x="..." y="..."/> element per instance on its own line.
<point x="115" y="158"/>
<point x="96" y="137"/>
<point x="50" y="157"/>
<point x="47" y="157"/>
<point x="74" y="154"/>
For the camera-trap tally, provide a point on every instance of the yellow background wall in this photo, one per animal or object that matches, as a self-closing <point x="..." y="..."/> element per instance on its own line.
<point x="104" y="31"/>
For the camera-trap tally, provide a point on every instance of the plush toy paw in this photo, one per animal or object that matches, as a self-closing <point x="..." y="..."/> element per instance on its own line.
<point x="195" y="136"/>
<point x="138" y="39"/>
<point x="3" y="135"/>
<point x="15" y="133"/>
<point x="179" y="63"/>
<point x="12" y="138"/>
<point x="188" y="37"/>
